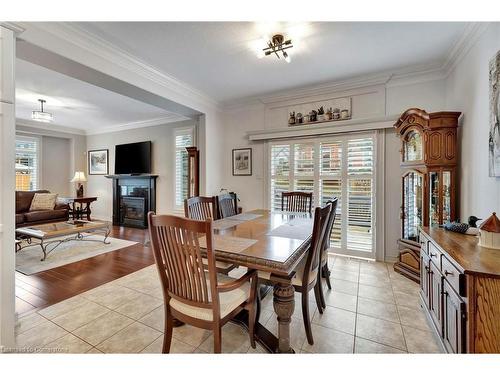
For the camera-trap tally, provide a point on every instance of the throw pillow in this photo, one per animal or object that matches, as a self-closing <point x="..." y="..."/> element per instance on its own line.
<point x="43" y="201"/>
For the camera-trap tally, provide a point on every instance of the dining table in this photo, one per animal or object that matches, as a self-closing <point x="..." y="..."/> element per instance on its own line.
<point x="270" y="241"/>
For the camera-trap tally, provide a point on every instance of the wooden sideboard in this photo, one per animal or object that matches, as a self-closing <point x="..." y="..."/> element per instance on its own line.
<point x="460" y="290"/>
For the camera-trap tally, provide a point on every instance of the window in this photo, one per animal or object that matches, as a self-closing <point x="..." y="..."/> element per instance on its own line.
<point x="27" y="163"/>
<point x="183" y="138"/>
<point x="341" y="167"/>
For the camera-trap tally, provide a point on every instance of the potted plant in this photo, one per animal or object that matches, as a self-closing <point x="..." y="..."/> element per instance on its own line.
<point x="321" y="114"/>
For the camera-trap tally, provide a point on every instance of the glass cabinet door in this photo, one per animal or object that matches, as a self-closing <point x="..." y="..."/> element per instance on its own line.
<point x="434" y="198"/>
<point x="446" y="196"/>
<point x="412" y="205"/>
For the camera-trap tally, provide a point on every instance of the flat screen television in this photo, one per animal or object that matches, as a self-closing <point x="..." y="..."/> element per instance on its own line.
<point x="133" y="158"/>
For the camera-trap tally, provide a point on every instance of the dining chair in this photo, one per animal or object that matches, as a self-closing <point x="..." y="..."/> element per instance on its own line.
<point x="306" y="273"/>
<point x="296" y="201"/>
<point x="325" y="271"/>
<point x="228" y="205"/>
<point x="201" y="208"/>
<point x="190" y="293"/>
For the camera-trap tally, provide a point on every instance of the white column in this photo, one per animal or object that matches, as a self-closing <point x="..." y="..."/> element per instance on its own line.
<point x="7" y="186"/>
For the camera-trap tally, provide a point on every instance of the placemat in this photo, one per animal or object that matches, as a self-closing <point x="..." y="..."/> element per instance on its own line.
<point x="245" y="217"/>
<point x="224" y="224"/>
<point x="229" y="244"/>
<point x="301" y="232"/>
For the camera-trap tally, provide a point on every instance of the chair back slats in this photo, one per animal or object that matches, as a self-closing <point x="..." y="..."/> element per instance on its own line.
<point x="321" y="215"/>
<point x="176" y="248"/>
<point x="228" y="205"/>
<point x="201" y="208"/>
<point x="296" y="201"/>
<point x="331" y="220"/>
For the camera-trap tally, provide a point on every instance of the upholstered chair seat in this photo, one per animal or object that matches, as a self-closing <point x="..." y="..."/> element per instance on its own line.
<point x="228" y="301"/>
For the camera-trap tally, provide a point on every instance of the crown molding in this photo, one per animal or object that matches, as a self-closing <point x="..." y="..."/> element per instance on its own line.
<point x="412" y="75"/>
<point x="138" y="124"/>
<point x="13" y="26"/>
<point x="49" y="127"/>
<point x="92" y="43"/>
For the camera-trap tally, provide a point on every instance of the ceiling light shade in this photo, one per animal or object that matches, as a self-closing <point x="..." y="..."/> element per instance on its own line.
<point x="40" y="115"/>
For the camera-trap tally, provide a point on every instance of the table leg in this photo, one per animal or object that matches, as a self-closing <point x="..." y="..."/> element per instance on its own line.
<point x="88" y="211"/>
<point x="284" y="304"/>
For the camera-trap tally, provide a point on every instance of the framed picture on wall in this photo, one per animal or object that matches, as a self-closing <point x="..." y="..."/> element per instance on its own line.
<point x="242" y="162"/>
<point x="98" y="162"/>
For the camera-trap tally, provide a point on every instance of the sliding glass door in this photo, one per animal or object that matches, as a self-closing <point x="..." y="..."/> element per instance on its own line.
<point x="342" y="167"/>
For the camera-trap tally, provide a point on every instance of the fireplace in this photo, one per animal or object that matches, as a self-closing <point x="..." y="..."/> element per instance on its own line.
<point x="133" y="198"/>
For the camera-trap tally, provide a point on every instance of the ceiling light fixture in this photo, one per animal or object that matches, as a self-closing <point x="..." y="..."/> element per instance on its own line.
<point x="41" y="115"/>
<point x="277" y="45"/>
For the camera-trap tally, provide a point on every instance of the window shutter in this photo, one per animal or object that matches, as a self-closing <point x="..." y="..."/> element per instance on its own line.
<point x="360" y="194"/>
<point x="280" y="172"/>
<point x="27" y="151"/>
<point x="183" y="139"/>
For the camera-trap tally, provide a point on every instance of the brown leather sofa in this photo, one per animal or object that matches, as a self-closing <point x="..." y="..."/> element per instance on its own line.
<point x="25" y="217"/>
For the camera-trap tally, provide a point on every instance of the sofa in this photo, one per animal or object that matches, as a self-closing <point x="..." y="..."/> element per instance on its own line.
<point x="25" y="217"/>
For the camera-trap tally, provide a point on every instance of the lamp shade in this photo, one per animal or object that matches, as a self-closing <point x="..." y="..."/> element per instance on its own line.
<point x="79" y="177"/>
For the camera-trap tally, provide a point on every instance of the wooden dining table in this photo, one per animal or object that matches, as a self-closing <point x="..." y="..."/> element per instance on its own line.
<point x="279" y="242"/>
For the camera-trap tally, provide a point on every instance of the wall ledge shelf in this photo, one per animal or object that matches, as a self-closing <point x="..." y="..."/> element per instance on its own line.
<point x="330" y="127"/>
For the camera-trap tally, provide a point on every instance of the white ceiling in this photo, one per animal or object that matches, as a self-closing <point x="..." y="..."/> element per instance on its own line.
<point x="219" y="58"/>
<point x="77" y="104"/>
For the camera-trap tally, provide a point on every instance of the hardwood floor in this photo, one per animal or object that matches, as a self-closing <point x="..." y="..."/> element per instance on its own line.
<point x="52" y="286"/>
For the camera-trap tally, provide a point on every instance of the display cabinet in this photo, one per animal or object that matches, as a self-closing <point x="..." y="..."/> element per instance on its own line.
<point x="429" y="162"/>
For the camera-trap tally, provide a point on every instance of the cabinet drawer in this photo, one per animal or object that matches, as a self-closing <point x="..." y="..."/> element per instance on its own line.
<point x="455" y="278"/>
<point x="424" y="243"/>
<point x="434" y="254"/>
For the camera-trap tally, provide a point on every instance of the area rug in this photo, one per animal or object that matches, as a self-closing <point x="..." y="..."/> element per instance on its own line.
<point x="28" y="259"/>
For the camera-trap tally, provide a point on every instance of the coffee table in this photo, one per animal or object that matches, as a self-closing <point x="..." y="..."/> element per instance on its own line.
<point x="50" y="236"/>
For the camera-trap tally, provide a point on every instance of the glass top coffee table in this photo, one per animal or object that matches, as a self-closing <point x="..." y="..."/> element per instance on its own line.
<point x="50" y="236"/>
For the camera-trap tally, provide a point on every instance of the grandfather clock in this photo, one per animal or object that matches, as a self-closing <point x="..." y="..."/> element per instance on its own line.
<point x="429" y="160"/>
<point x="193" y="172"/>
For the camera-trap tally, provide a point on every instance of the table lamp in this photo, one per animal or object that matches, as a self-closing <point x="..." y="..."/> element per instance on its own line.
<point x="79" y="178"/>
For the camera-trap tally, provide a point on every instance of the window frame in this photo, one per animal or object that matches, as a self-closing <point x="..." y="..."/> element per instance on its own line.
<point x="344" y="177"/>
<point x="38" y="141"/>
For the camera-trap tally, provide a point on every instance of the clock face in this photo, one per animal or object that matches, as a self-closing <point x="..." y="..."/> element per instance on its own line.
<point x="413" y="146"/>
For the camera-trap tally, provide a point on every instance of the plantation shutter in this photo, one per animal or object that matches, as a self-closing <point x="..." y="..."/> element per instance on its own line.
<point x="183" y="139"/>
<point x="27" y="163"/>
<point x="280" y="172"/>
<point x="341" y="167"/>
<point x="331" y="184"/>
<point x="360" y="194"/>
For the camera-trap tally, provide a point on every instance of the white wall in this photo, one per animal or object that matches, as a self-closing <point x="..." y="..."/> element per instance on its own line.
<point x="55" y="165"/>
<point x="467" y="90"/>
<point x="367" y="102"/>
<point x="163" y="152"/>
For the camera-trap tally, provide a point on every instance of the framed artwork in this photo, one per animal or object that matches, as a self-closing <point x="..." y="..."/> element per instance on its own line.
<point x="98" y="162"/>
<point x="242" y="162"/>
<point x="494" y="138"/>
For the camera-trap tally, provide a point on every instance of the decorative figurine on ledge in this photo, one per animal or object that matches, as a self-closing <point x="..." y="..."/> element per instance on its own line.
<point x="291" y="119"/>
<point x="299" y="119"/>
<point x="470" y="229"/>
<point x="313" y="116"/>
<point x="336" y="114"/>
<point x="329" y="114"/>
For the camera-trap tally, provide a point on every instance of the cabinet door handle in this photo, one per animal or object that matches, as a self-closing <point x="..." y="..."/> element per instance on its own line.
<point x="432" y="255"/>
<point x="446" y="273"/>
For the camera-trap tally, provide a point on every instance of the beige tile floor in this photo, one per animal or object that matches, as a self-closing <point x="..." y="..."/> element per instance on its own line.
<point x="371" y="309"/>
